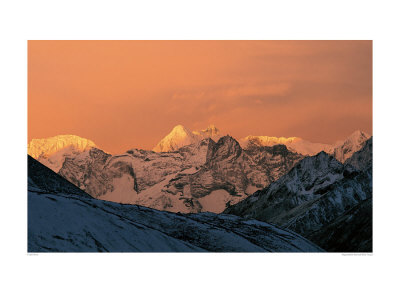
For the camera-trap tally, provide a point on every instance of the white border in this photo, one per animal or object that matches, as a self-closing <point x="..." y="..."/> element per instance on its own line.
<point x="195" y="276"/>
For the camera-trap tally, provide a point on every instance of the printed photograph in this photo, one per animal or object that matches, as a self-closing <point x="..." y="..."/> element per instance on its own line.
<point x="200" y="146"/>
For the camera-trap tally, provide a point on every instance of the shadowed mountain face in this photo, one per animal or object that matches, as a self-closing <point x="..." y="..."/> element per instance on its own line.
<point x="43" y="179"/>
<point x="317" y="192"/>
<point x="351" y="232"/>
<point x="62" y="218"/>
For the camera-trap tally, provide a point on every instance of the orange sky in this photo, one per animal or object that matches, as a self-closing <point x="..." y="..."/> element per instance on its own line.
<point x="130" y="94"/>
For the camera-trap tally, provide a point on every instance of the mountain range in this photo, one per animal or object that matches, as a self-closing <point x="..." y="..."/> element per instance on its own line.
<point x="188" y="171"/>
<point x="323" y="195"/>
<point x="318" y="198"/>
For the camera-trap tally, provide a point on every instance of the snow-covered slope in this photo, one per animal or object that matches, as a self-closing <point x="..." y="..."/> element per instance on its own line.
<point x="181" y="136"/>
<point x="341" y="150"/>
<point x="362" y="159"/>
<point x="204" y="176"/>
<point x="344" y="150"/>
<point x="294" y="144"/>
<point x="53" y="151"/>
<point x="62" y="220"/>
<point x="43" y="179"/>
<point x="314" y="193"/>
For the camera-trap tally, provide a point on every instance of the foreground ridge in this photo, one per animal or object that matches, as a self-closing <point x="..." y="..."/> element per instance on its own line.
<point x="63" y="220"/>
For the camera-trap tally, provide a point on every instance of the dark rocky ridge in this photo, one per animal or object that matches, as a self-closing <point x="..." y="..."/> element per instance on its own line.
<point x="41" y="177"/>
<point x="351" y="232"/>
<point x="315" y="193"/>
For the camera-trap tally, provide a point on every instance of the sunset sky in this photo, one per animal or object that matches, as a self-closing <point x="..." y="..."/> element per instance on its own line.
<point x="130" y="94"/>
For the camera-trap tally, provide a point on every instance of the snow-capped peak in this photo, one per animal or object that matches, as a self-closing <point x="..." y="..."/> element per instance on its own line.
<point x="181" y="136"/>
<point x="179" y="130"/>
<point x="268" y="140"/>
<point x="358" y="136"/>
<point x="353" y="143"/>
<point x="48" y="146"/>
<point x="210" y="132"/>
<point x="294" y="144"/>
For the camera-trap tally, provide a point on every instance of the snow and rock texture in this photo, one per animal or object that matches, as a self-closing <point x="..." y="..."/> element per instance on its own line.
<point x="53" y="151"/>
<point x="42" y="178"/>
<point x="314" y="193"/>
<point x="344" y="150"/>
<point x="362" y="159"/>
<point x="191" y="172"/>
<point x="63" y="220"/>
<point x="294" y="144"/>
<point x="181" y="136"/>
<point x="341" y="150"/>
<point x="203" y="176"/>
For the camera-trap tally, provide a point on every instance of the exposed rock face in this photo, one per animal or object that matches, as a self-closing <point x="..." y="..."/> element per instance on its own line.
<point x="341" y="150"/>
<point x="62" y="218"/>
<point x="314" y="193"/>
<point x="230" y="169"/>
<point x="204" y="176"/>
<point x="42" y="178"/>
<point x="351" y="232"/>
<point x="294" y="144"/>
<point x="322" y="199"/>
<point x="97" y="172"/>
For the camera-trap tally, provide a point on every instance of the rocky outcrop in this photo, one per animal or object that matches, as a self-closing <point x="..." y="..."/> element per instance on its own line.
<point x="237" y="172"/>
<point x="203" y="176"/>
<point x="351" y="232"/>
<point x="341" y="150"/>
<point x="322" y="199"/>
<point x="314" y="193"/>
<point x="294" y="144"/>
